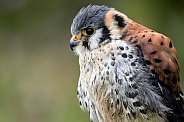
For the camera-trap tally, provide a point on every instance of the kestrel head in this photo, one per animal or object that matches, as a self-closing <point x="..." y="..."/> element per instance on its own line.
<point x="96" y="25"/>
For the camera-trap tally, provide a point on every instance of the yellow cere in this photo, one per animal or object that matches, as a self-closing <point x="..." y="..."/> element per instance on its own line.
<point x="75" y="38"/>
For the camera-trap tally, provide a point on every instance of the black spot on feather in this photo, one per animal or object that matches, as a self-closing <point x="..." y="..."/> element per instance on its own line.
<point x="154" y="52"/>
<point x="105" y="34"/>
<point x="150" y="40"/>
<point x="120" y="21"/>
<point x="121" y="47"/>
<point x="124" y="55"/>
<point x="153" y="71"/>
<point x="157" y="60"/>
<point x="137" y="104"/>
<point x="170" y="45"/>
<point x="174" y="80"/>
<point x="161" y="43"/>
<point x="166" y="71"/>
<point x="131" y="94"/>
<point x="148" y="62"/>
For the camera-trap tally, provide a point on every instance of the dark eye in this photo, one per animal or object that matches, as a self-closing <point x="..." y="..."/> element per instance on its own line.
<point x="88" y="31"/>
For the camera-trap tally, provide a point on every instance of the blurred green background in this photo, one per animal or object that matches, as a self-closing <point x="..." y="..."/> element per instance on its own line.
<point x="39" y="73"/>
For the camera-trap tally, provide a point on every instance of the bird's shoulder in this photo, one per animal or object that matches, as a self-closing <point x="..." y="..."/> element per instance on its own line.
<point x="159" y="54"/>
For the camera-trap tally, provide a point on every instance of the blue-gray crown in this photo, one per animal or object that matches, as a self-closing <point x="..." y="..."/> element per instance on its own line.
<point x="92" y="15"/>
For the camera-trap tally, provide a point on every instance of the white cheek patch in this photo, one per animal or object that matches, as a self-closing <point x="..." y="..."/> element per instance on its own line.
<point x="79" y="50"/>
<point x="94" y="40"/>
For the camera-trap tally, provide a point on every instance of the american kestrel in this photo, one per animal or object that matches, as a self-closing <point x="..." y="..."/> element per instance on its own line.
<point x="128" y="72"/>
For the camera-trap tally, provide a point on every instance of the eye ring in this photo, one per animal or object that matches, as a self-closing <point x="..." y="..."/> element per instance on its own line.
<point x="89" y="31"/>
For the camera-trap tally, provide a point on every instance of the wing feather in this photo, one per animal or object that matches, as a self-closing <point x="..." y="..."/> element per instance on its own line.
<point x="159" y="53"/>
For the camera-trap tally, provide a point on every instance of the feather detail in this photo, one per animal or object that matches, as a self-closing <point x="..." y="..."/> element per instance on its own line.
<point x="159" y="53"/>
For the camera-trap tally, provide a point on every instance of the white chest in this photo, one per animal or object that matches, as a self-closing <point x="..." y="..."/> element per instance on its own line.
<point x="112" y="85"/>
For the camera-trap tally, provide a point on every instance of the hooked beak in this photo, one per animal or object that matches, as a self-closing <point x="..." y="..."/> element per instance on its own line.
<point x="74" y="41"/>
